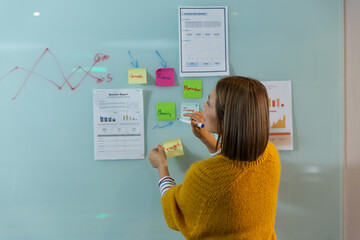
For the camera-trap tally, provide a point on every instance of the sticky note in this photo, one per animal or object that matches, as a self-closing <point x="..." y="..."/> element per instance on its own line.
<point x="188" y="108"/>
<point x="192" y="89"/>
<point x="165" y="77"/>
<point x="137" y="76"/>
<point x="165" y="111"/>
<point x="173" y="148"/>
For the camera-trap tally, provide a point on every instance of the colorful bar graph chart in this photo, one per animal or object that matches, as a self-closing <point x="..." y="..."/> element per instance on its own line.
<point x="107" y="119"/>
<point x="280" y="113"/>
<point x="129" y="118"/>
<point x="275" y="103"/>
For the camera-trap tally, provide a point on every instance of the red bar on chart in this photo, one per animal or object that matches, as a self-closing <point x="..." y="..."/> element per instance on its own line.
<point x="273" y="103"/>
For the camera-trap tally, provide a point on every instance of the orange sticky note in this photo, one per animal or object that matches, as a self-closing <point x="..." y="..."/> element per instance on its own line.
<point x="173" y="148"/>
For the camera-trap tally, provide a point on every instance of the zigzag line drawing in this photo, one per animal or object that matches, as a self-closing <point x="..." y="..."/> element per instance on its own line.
<point x="98" y="58"/>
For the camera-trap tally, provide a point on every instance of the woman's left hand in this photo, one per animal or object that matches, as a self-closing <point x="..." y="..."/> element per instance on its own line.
<point x="157" y="157"/>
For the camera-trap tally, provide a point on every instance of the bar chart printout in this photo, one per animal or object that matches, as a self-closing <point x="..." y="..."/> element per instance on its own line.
<point x="118" y="124"/>
<point x="280" y="107"/>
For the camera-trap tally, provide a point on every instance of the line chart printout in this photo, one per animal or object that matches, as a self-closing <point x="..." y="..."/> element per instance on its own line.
<point x="118" y="124"/>
<point x="203" y="41"/>
<point x="280" y="107"/>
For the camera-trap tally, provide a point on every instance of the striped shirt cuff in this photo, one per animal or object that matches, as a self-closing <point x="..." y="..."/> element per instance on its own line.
<point x="165" y="183"/>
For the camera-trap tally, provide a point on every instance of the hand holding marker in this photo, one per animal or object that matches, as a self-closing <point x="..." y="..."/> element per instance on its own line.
<point x="200" y="125"/>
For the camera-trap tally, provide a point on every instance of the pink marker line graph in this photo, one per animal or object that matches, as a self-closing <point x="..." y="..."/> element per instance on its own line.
<point x="99" y="57"/>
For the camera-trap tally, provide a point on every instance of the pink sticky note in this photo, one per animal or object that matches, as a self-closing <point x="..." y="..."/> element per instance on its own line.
<point x="165" y="77"/>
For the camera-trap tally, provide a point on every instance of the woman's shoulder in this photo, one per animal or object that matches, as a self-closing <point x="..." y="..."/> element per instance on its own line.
<point x="213" y="168"/>
<point x="270" y="160"/>
<point x="271" y="152"/>
<point x="211" y="175"/>
<point x="221" y="165"/>
<point x="271" y="148"/>
<point x="210" y="163"/>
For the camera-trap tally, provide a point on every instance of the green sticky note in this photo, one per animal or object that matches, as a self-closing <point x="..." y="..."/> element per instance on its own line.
<point x="165" y="111"/>
<point x="192" y="88"/>
<point x="137" y="76"/>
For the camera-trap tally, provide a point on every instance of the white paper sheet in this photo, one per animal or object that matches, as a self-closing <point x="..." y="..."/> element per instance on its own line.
<point x="280" y="106"/>
<point x="203" y="39"/>
<point x="118" y="124"/>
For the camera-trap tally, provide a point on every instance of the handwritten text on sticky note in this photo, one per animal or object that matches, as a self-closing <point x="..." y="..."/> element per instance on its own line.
<point x="165" y="111"/>
<point x="173" y="148"/>
<point x="192" y="88"/>
<point x="165" y="77"/>
<point x="137" y="76"/>
<point x="188" y="108"/>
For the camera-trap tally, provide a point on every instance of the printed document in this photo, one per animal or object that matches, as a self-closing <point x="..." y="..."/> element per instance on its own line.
<point x="118" y="124"/>
<point x="203" y="40"/>
<point x="280" y="108"/>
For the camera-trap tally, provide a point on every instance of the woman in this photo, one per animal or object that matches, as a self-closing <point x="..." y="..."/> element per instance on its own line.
<point x="233" y="194"/>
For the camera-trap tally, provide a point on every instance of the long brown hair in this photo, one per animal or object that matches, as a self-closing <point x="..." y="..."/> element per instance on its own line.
<point x="242" y="110"/>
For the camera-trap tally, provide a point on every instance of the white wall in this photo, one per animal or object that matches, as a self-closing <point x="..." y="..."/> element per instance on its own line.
<point x="352" y="119"/>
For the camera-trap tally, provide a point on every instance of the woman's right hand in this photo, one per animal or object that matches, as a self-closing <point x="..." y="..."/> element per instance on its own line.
<point x="197" y="117"/>
<point x="204" y="135"/>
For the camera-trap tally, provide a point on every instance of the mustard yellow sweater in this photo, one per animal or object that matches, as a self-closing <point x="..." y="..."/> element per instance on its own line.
<point x="226" y="199"/>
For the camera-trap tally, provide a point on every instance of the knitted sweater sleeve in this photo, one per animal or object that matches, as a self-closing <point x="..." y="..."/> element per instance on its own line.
<point x="183" y="205"/>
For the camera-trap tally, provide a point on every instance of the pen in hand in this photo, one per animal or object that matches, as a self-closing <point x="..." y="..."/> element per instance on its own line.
<point x="200" y="125"/>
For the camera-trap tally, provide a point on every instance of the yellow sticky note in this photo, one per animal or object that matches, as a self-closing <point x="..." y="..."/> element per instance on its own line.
<point x="137" y="76"/>
<point x="173" y="148"/>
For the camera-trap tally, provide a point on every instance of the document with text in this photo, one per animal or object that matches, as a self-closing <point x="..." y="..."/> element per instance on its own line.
<point x="203" y="39"/>
<point x="118" y="124"/>
<point x="280" y="108"/>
